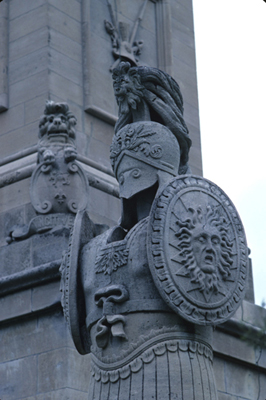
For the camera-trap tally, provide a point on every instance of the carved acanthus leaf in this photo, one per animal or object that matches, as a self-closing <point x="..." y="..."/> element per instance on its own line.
<point x="111" y="259"/>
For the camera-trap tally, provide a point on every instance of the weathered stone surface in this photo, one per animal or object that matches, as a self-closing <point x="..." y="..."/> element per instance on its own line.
<point x="27" y="22"/>
<point x="18" y="377"/>
<point x="27" y="89"/>
<point x="58" y="376"/>
<point x="13" y="306"/>
<point x="32" y="336"/>
<point x="62" y="394"/>
<point x="17" y="119"/>
<point x="25" y="45"/>
<point x="50" y="247"/>
<point x="65" y="45"/>
<point x="14" y="258"/>
<point x="218" y="367"/>
<point x="65" y="24"/>
<point x="72" y="9"/>
<point x="243" y="382"/>
<point x="224" y="396"/>
<point x="24" y="67"/>
<point x="44" y="296"/>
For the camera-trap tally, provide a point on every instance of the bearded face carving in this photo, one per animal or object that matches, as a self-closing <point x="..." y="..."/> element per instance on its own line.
<point x="127" y="88"/>
<point x="205" y="250"/>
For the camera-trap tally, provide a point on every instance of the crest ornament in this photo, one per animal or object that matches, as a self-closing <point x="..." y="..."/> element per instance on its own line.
<point x="58" y="183"/>
<point x="197" y="250"/>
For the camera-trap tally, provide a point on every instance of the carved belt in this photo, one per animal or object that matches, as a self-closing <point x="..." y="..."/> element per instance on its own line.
<point x="129" y="306"/>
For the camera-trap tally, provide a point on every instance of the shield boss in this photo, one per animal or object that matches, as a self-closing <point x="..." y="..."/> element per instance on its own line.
<point x="197" y="250"/>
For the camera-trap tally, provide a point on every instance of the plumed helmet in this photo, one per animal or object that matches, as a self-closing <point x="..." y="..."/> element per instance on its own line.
<point x="149" y="142"/>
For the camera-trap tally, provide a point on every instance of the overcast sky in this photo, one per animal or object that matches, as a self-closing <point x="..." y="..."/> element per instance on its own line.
<point x="231" y="66"/>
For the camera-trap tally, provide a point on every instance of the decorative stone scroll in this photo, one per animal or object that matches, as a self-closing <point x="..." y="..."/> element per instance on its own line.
<point x="197" y="250"/>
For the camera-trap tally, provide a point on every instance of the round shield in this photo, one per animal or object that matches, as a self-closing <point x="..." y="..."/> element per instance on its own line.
<point x="197" y="250"/>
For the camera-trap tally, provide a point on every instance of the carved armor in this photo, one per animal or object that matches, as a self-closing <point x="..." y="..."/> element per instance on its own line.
<point x="140" y="347"/>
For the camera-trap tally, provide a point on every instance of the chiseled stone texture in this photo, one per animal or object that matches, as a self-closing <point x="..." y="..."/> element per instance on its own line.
<point x="37" y="361"/>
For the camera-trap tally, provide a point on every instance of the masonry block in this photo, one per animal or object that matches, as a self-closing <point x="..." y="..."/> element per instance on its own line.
<point x="218" y="366"/>
<point x="65" y="45"/>
<point x="28" y="22"/>
<point x="14" y="195"/>
<point x="233" y="347"/>
<point x="15" y="305"/>
<point x="29" y="88"/>
<point x="67" y="89"/>
<point x="224" y="396"/>
<point x="15" y="257"/>
<point x="27" y="66"/>
<point x="67" y="368"/>
<point x="183" y="15"/>
<point x="12" y="119"/>
<point x="241" y="381"/>
<point x="49" y="246"/>
<point x="30" y="43"/>
<point x="64" y="24"/>
<point x="71" y="8"/>
<point x="33" y="335"/>
<point x="65" y="66"/>
<point x="62" y="394"/>
<point x="18" y="378"/>
<point x="18" y="8"/>
<point x="44" y="296"/>
<point x="34" y="108"/>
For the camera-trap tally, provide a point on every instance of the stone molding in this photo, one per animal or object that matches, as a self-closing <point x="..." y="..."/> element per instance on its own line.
<point x="164" y="36"/>
<point x="4" y="11"/>
<point x="99" y="176"/>
<point x="29" y="278"/>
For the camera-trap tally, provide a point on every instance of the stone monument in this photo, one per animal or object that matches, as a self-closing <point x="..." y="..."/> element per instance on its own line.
<point x="143" y="296"/>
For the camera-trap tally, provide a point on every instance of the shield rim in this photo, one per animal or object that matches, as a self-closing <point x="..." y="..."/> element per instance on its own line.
<point x="160" y="270"/>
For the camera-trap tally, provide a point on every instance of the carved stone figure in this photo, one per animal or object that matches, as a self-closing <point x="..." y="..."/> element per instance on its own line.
<point x="142" y="296"/>
<point x="124" y="45"/>
<point x="58" y="184"/>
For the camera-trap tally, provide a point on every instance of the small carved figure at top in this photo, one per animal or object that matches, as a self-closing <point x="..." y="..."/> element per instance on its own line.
<point x="149" y="94"/>
<point x="125" y="47"/>
<point x="57" y="125"/>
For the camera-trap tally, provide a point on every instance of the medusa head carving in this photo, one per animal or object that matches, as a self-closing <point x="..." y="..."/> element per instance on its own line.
<point x="205" y="250"/>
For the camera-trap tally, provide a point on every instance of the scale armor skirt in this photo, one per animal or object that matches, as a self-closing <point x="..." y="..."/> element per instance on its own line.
<point x="167" y="370"/>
